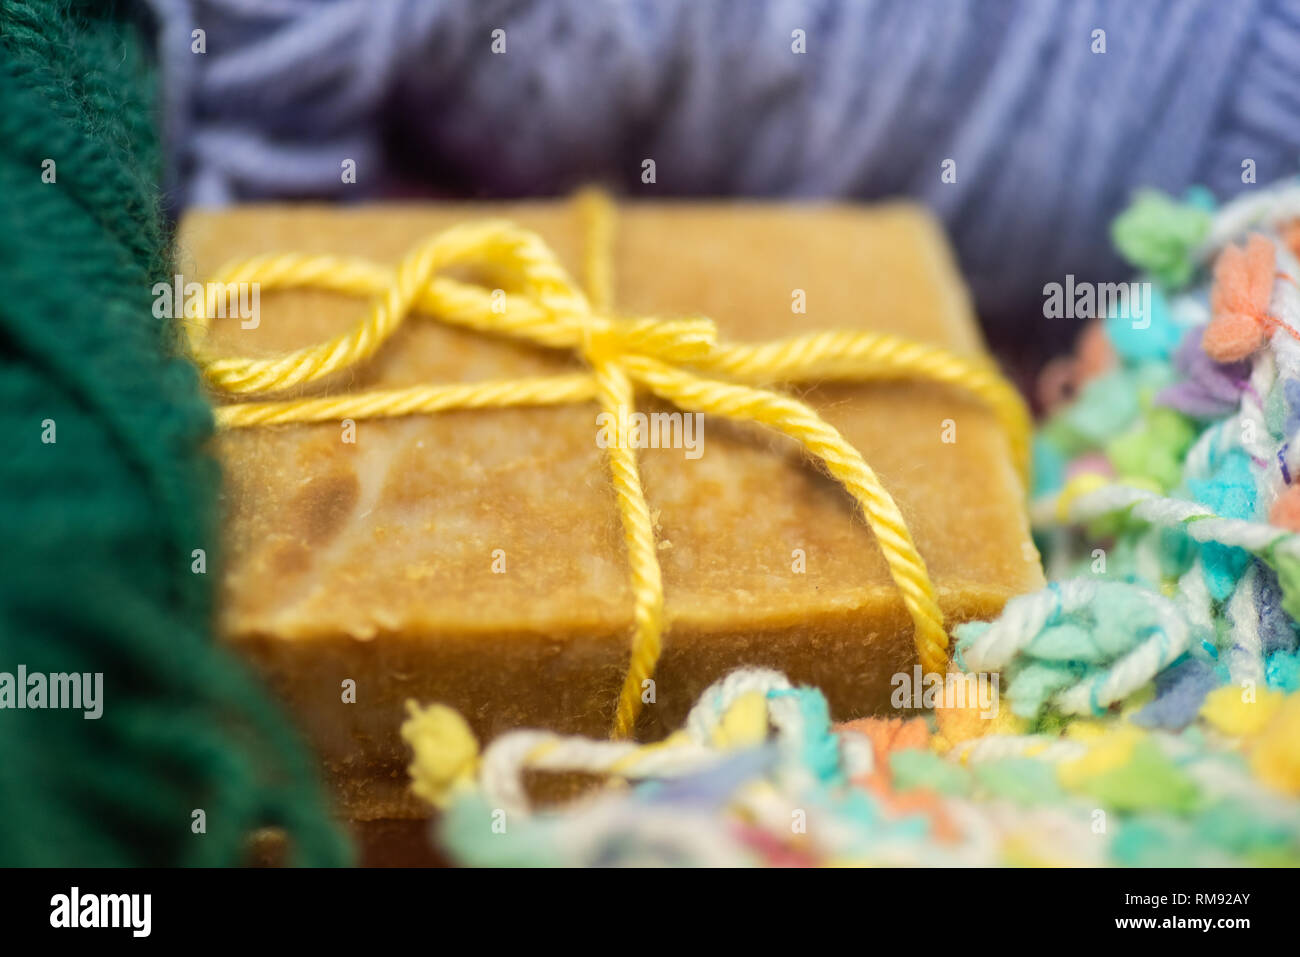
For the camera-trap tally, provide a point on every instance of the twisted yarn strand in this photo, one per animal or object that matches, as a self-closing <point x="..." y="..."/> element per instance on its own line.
<point x="413" y="400"/>
<point x="616" y="395"/>
<point x="799" y="421"/>
<point x="855" y="356"/>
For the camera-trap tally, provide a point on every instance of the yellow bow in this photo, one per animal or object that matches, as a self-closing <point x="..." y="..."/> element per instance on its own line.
<point x="678" y="360"/>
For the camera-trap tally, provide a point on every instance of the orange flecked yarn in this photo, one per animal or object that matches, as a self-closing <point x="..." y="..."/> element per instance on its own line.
<point x="1062" y="378"/>
<point x="1243" y="286"/>
<point x="1291" y="236"/>
<point x="1285" y="512"/>
<point x="1094" y="353"/>
<point x="888" y="735"/>
<point x="916" y="801"/>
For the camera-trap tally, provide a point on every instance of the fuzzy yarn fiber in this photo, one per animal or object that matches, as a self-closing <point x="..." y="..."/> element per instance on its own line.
<point x="101" y="523"/>
<point x="1048" y="136"/>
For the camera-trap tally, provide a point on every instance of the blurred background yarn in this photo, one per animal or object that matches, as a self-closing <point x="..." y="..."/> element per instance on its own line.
<point x="1049" y="137"/>
<point x="107" y="493"/>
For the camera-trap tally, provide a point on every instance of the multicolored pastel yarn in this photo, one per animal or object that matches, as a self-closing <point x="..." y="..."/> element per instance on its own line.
<point x="1149" y="711"/>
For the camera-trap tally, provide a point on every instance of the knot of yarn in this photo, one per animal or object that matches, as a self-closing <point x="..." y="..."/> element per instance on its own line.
<point x="679" y="360"/>
<point x="606" y="338"/>
<point x="446" y="752"/>
<point x="1080" y="645"/>
<point x="1160" y="235"/>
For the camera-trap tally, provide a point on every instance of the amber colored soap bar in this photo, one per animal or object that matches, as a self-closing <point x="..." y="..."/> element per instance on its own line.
<point x="476" y="557"/>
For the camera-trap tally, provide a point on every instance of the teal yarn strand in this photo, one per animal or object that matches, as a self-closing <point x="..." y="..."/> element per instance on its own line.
<point x="100" y="524"/>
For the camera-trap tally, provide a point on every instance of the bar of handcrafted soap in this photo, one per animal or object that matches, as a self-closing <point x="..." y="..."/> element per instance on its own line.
<point x="476" y="557"/>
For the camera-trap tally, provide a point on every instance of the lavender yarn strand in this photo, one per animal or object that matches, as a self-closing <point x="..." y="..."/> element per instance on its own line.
<point x="1048" y="137"/>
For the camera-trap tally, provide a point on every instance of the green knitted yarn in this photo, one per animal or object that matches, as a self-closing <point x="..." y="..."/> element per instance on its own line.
<point x="99" y="527"/>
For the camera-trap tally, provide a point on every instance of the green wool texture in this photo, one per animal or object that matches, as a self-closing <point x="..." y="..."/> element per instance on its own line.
<point x="1159" y="235"/>
<point x="107" y="491"/>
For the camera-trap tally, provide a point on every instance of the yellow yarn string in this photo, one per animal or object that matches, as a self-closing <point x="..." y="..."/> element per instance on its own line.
<point x="678" y="360"/>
